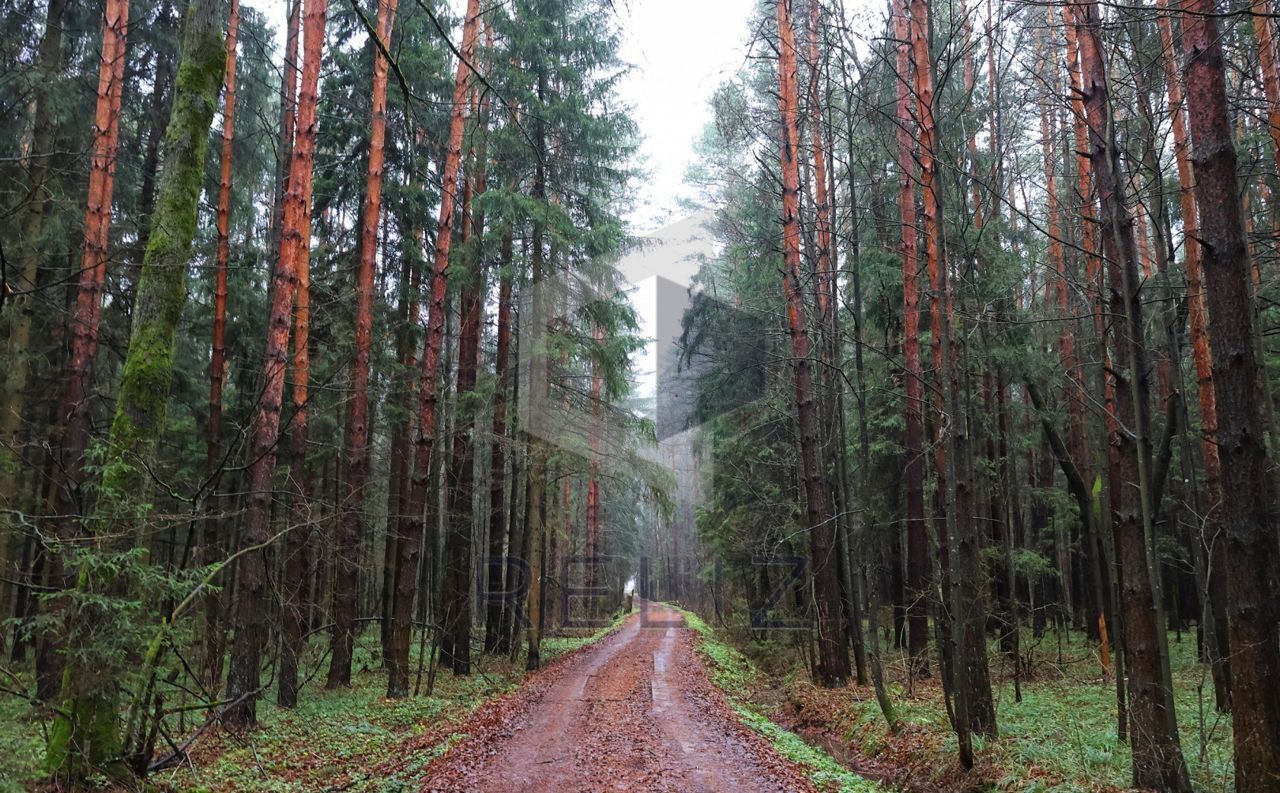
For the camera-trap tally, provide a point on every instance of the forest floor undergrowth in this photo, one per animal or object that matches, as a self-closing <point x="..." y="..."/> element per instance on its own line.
<point x="348" y="739"/>
<point x="1060" y="738"/>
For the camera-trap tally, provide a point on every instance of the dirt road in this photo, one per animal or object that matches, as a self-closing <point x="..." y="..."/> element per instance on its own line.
<point x="634" y="712"/>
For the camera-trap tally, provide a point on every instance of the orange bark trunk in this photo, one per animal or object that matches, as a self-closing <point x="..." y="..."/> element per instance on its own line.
<point x="356" y="461"/>
<point x="217" y="364"/>
<point x="914" y="462"/>
<point x="420" y="484"/>
<point x="1260" y="12"/>
<point x="75" y="402"/>
<point x="296" y="563"/>
<point x="73" y="420"/>
<point x="833" y="661"/>
<point x="288" y="116"/>
<point x="210" y="544"/>
<point x="1251" y="550"/>
<point x="822" y="206"/>
<point x="456" y="645"/>
<point x="251" y="580"/>
<point x="1202" y="359"/>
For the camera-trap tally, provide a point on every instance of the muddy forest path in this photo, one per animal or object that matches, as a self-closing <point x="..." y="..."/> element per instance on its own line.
<point x="633" y="712"/>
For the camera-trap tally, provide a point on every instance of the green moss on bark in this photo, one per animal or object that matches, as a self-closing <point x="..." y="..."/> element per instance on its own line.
<point x="162" y="289"/>
<point x="86" y="735"/>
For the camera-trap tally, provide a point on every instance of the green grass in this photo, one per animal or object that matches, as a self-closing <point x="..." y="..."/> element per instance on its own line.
<point x="1061" y="737"/>
<point x="1067" y="726"/>
<point x="21" y="741"/>
<point x="732" y="672"/>
<point x="354" y="739"/>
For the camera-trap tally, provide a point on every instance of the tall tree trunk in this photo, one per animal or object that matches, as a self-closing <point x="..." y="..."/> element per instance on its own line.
<point x="1252" y="555"/>
<point x="411" y="532"/>
<point x="243" y="681"/>
<point x="456" y="647"/>
<point x="533" y="541"/>
<point x="85" y="733"/>
<point x="20" y="320"/>
<point x="300" y="490"/>
<point x="296" y="565"/>
<point x="210" y="544"/>
<point x="822" y="207"/>
<point x="72" y="425"/>
<point x="496" y="607"/>
<point x="853" y="262"/>
<point x="1102" y="379"/>
<point x="288" y="120"/>
<point x="914" y="462"/>
<point x="401" y="446"/>
<point x="974" y="707"/>
<point x="1157" y="753"/>
<point x="833" y="662"/>
<point x="834" y="452"/>
<point x="356" y="461"/>
<point x="535" y="531"/>
<point x="1075" y="384"/>
<point x="1215" y="624"/>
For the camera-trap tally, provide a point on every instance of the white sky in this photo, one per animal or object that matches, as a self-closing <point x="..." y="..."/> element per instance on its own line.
<point x="681" y="51"/>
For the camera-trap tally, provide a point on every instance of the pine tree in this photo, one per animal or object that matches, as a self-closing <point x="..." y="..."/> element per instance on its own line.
<point x="412" y="530"/>
<point x="85" y="734"/>
<point x="356" y="463"/>
<point x="1157" y="753"/>
<point x="218" y="360"/>
<point x="71" y="426"/>
<point x="243" y="678"/>
<point x="833" y="663"/>
<point x="1247" y="488"/>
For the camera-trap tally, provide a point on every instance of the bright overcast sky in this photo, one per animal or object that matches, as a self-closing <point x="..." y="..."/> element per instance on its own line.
<point x="681" y="50"/>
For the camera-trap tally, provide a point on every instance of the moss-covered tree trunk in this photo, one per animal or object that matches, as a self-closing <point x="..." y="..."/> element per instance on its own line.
<point x="85" y="734"/>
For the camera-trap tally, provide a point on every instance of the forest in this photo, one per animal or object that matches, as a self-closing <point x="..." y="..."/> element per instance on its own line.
<point x="357" y="434"/>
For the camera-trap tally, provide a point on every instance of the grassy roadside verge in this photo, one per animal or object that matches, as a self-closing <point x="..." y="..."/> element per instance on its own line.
<point x="732" y="673"/>
<point x="351" y="739"/>
<point x="1060" y="738"/>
